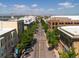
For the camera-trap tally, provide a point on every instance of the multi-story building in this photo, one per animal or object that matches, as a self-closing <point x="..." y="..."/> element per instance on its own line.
<point x="28" y="19"/>
<point x="69" y="35"/>
<point x="13" y="23"/>
<point x="8" y="40"/>
<point x="62" y="21"/>
<point x="9" y="31"/>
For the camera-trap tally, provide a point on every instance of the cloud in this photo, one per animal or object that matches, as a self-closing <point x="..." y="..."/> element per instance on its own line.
<point x="51" y="9"/>
<point x="2" y="5"/>
<point x="18" y="6"/>
<point x="34" y="5"/>
<point x="66" y="5"/>
<point x="59" y="8"/>
<point x="23" y="9"/>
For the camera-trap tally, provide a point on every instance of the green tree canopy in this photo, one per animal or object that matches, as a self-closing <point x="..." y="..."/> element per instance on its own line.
<point x="69" y="54"/>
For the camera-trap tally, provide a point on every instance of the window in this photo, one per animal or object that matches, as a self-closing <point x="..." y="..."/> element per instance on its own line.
<point x="1" y="52"/>
<point x="62" y="23"/>
<point x="1" y="41"/>
<point x="78" y="23"/>
<point x="68" y="22"/>
<point x="53" y="23"/>
<point x="75" y="23"/>
<point x="56" y="23"/>
<point x="12" y="38"/>
<point x="71" y="22"/>
<point x="26" y="21"/>
<point x="12" y="34"/>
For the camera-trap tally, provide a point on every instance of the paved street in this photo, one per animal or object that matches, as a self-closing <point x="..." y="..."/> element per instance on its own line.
<point x="41" y="47"/>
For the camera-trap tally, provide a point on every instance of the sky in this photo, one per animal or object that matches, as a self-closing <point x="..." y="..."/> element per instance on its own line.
<point x="39" y="7"/>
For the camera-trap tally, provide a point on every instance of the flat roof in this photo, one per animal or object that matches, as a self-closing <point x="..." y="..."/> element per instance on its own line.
<point x="71" y="17"/>
<point x="5" y="30"/>
<point x="72" y="31"/>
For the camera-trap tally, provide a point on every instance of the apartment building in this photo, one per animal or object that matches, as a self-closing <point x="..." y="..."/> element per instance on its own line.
<point x="13" y="23"/>
<point x="62" y="21"/>
<point x="8" y="40"/>
<point x="69" y="35"/>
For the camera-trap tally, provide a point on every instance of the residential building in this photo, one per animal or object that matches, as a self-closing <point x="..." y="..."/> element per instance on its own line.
<point x="8" y="40"/>
<point x="69" y="35"/>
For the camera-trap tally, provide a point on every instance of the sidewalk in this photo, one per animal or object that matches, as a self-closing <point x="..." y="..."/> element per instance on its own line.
<point x="54" y="52"/>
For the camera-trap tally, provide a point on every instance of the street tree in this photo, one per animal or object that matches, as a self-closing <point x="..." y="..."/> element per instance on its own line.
<point x="68" y="54"/>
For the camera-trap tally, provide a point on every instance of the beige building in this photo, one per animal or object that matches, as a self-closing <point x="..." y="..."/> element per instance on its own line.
<point x="18" y="24"/>
<point x="8" y="40"/>
<point x="62" y="21"/>
<point x="69" y="35"/>
<point x="9" y="31"/>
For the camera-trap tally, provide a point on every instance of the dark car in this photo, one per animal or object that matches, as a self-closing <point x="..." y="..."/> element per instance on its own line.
<point x="28" y="50"/>
<point x="36" y="30"/>
<point x="50" y="48"/>
<point x="34" y="41"/>
<point x="26" y="55"/>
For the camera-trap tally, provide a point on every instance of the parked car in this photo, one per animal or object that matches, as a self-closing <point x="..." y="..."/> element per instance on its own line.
<point x="50" y="48"/>
<point x="36" y="30"/>
<point x="26" y="55"/>
<point x="28" y="50"/>
<point x="34" y="41"/>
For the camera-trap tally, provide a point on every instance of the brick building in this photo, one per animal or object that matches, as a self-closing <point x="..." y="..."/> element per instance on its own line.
<point x="61" y="21"/>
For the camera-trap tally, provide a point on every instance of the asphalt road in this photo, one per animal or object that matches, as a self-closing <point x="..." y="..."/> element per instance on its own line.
<point x="41" y="49"/>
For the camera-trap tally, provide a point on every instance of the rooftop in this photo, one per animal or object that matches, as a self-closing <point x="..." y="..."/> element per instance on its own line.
<point x="70" y="17"/>
<point x="72" y="31"/>
<point x="27" y="19"/>
<point x="5" y="30"/>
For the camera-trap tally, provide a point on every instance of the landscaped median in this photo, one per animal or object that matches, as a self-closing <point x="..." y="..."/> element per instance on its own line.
<point x="44" y="25"/>
<point x="52" y="37"/>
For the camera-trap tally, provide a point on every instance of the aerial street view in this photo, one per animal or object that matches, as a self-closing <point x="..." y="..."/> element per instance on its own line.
<point x="39" y="28"/>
